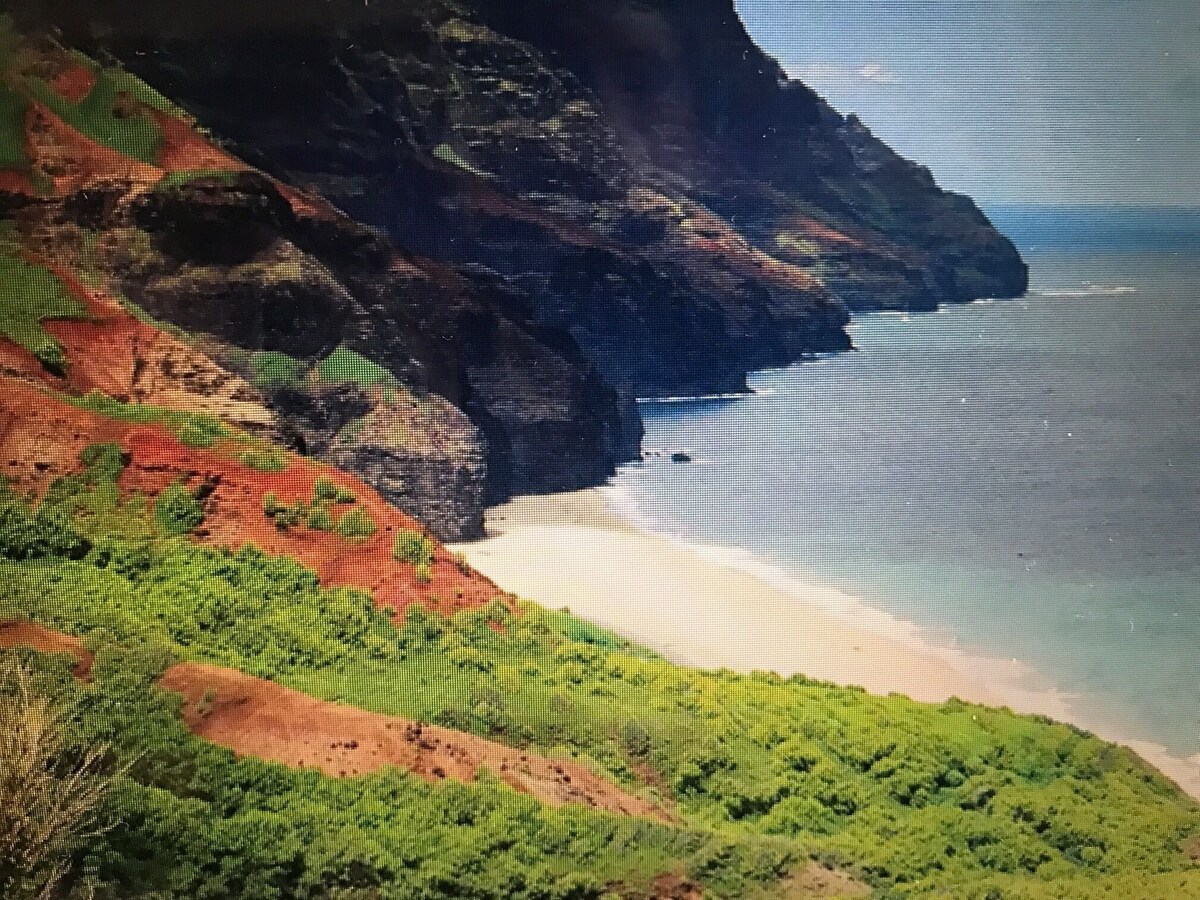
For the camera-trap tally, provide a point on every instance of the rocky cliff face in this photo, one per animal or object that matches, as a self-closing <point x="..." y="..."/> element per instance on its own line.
<point x="640" y="172"/>
<point x="565" y="205"/>
<point x="697" y="103"/>
<point x="225" y="290"/>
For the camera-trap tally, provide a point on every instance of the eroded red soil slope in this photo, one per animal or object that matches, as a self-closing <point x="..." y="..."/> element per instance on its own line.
<point x="262" y="719"/>
<point x="42" y="435"/>
<point x="259" y="718"/>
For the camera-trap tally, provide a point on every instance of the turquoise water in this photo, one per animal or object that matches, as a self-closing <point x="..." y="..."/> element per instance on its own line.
<point x="1023" y="476"/>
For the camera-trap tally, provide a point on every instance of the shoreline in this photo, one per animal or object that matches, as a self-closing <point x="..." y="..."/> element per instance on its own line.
<point x="719" y="607"/>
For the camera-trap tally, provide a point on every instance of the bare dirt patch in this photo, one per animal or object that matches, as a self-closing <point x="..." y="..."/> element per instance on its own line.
<point x="1191" y="848"/>
<point x="815" y="882"/>
<point x="14" y="182"/>
<point x="74" y="83"/>
<point x="673" y="886"/>
<point x="185" y="149"/>
<point x="259" y="718"/>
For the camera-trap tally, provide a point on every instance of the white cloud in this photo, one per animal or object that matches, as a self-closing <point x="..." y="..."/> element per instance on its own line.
<point x="874" y="72"/>
<point x="878" y="73"/>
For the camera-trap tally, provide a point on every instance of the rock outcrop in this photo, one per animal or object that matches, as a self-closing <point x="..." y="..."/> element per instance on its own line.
<point x="225" y="290"/>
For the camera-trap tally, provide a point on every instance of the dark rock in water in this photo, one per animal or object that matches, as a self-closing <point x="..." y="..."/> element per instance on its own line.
<point x="680" y="458"/>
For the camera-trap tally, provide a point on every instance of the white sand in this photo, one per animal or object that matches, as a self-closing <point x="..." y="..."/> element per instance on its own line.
<point x="715" y="608"/>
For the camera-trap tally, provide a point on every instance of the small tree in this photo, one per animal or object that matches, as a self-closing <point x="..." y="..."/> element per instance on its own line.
<point x="48" y="802"/>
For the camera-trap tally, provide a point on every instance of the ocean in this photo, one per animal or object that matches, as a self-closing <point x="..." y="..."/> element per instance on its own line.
<point x="1020" y="479"/>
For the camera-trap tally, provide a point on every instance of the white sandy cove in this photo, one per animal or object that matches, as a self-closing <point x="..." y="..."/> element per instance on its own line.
<point x="717" y="608"/>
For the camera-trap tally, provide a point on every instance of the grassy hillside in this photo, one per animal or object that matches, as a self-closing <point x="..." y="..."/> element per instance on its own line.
<point x="763" y="774"/>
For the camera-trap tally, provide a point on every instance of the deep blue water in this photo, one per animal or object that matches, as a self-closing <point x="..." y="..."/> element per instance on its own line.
<point x="1023" y="475"/>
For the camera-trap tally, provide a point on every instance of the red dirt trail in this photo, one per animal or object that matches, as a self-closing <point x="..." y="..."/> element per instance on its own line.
<point x="258" y="718"/>
<point x="185" y="149"/>
<point x="263" y="719"/>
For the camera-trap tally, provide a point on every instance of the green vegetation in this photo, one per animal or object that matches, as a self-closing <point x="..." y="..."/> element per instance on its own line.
<point x="192" y="429"/>
<point x="947" y="800"/>
<point x="121" y="81"/>
<point x="356" y="524"/>
<point x="327" y="489"/>
<point x="206" y="824"/>
<point x="793" y="243"/>
<point x="13" y="108"/>
<point x="13" y="104"/>
<point x="182" y="177"/>
<point x="449" y="155"/>
<point x="283" y="515"/>
<point x="344" y="365"/>
<point x="320" y="519"/>
<point x="413" y="548"/>
<point x="29" y="295"/>
<point x="112" y="114"/>
<point x="10" y="40"/>
<point x="272" y="369"/>
<point x="265" y="459"/>
<point x="177" y="510"/>
<point x="317" y="513"/>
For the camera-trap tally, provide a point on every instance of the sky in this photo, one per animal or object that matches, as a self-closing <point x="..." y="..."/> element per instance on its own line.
<point x="1011" y="101"/>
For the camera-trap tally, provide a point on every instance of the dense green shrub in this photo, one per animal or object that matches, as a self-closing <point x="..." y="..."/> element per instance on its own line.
<point x="926" y="799"/>
<point x="177" y="510"/>
<point x="265" y="459"/>
<point x="320" y="519"/>
<point x="25" y="534"/>
<point x="284" y="516"/>
<point x="413" y="547"/>
<point x="326" y="489"/>
<point x="356" y="524"/>
<point x="104" y="462"/>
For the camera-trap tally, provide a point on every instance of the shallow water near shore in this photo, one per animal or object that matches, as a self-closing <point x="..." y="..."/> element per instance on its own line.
<point x="1019" y="479"/>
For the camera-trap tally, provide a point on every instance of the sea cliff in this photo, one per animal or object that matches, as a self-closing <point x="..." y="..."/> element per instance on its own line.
<point x="531" y="212"/>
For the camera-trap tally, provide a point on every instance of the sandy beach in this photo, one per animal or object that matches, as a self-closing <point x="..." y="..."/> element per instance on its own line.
<point x="720" y="608"/>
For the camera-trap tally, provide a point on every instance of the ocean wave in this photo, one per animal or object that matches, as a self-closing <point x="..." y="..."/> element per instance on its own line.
<point x="699" y="398"/>
<point x="1092" y="290"/>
